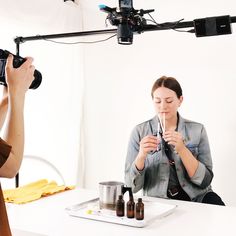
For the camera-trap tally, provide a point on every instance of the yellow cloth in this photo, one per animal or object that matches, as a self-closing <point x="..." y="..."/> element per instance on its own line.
<point x="33" y="191"/>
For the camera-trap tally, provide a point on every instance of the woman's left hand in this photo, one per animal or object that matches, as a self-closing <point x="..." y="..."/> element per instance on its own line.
<point x="174" y="138"/>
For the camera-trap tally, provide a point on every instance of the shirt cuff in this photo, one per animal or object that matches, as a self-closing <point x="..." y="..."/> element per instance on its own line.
<point x="135" y="171"/>
<point x="199" y="175"/>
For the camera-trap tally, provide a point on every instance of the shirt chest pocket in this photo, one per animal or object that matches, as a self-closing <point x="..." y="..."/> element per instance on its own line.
<point x="193" y="148"/>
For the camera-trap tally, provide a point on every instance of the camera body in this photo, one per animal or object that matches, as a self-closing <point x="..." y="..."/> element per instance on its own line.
<point x="17" y="62"/>
<point x="125" y="26"/>
<point x="126" y="4"/>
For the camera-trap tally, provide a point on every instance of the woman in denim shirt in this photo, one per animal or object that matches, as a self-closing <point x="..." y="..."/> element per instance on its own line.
<point x="169" y="156"/>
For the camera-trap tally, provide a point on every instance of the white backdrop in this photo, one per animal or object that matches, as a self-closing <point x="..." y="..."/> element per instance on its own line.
<point x="107" y="86"/>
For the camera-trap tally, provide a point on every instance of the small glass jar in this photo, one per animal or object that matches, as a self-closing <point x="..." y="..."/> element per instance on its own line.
<point x="120" y="206"/>
<point x="130" y="208"/>
<point x="139" y="210"/>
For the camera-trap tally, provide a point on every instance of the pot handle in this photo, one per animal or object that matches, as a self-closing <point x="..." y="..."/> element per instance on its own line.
<point x="129" y="189"/>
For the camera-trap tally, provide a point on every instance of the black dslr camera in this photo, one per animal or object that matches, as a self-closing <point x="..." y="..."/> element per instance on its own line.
<point x="17" y="62"/>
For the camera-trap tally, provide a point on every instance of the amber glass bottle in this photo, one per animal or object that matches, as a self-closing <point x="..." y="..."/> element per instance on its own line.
<point x="130" y="208"/>
<point x="139" y="210"/>
<point x="120" y="206"/>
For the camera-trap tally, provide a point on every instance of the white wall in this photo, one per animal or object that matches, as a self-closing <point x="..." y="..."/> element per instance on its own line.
<point x="118" y="80"/>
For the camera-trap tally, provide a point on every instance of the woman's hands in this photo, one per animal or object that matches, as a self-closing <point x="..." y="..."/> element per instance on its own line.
<point x="147" y="144"/>
<point x="189" y="161"/>
<point x="175" y="139"/>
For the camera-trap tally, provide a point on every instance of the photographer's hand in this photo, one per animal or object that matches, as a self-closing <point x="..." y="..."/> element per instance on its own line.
<point x="19" y="79"/>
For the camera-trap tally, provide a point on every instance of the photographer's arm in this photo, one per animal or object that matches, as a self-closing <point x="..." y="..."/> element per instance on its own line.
<point x="3" y="106"/>
<point x="18" y="81"/>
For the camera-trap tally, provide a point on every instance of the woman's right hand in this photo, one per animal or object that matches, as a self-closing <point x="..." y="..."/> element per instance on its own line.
<point x="147" y="144"/>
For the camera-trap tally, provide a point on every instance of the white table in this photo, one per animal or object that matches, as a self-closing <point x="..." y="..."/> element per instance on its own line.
<point x="48" y="216"/>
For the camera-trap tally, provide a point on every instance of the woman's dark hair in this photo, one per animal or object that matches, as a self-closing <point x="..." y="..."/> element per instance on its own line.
<point x="167" y="82"/>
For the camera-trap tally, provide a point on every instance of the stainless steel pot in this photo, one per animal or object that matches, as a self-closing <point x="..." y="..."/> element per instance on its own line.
<point x="109" y="192"/>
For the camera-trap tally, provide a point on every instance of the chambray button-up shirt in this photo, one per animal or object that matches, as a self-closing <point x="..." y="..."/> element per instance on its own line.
<point x="154" y="178"/>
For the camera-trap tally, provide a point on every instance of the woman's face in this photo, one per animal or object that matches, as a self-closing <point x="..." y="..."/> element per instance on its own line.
<point x="166" y="102"/>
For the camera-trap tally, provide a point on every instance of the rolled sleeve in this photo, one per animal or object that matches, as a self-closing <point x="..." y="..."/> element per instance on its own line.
<point x="133" y="177"/>
<point x="199" y="175"/>
<point x="204" y="174"/>
<point x="135" y="171"/>
<point x="137" y="178"/>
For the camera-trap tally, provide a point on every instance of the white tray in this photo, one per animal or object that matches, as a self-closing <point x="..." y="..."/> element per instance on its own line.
<point x="90" y="210"/>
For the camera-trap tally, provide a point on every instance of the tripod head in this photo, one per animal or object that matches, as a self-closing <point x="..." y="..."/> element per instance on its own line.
<point x="127" y="19"/>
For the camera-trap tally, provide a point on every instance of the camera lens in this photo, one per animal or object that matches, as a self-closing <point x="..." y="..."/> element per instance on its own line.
<point x="37" y="80"/>
<point x="124" y="34"/>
